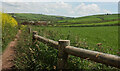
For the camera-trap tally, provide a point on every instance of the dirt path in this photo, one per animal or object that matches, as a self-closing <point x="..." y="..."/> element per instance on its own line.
<point x="9" y="53"/>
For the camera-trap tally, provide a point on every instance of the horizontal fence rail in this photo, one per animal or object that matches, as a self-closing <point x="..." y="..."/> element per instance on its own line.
<point x="64" y="49"/>
<point x="47" y="41"/>
<point x="99" y="57"/>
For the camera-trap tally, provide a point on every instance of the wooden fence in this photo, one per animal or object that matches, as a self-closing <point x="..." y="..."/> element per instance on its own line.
<point x="64" y="49"/>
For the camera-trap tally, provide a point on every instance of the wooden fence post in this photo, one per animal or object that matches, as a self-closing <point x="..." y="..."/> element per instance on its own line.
<point x="29" y="30"/>
<point x="33" y="37"/>
<point x="62" y="56"/>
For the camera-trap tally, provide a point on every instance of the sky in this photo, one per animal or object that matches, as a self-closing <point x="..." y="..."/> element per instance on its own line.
<point x="67" y="8"/>
<point x="59" y="0"/>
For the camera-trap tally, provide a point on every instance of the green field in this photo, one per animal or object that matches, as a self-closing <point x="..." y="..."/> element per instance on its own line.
<point x="39" y="56"/>
<point x="108" y="36"/>
<point x="91" y="24"/>
<point x="22" y="17"/>
<point x="36" y="56"/>
<point x="91" y="19"/>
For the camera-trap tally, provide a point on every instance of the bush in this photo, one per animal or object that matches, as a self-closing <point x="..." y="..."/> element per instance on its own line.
<point x="9" y="29"/>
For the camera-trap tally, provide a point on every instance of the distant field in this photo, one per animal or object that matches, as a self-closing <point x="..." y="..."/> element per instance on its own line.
<point x="92" y="24"/>
<point x="22" y="17"/>
<point x="91" y="19"/>
<point x="86" y="37"/>
<point x="94" y="20"/>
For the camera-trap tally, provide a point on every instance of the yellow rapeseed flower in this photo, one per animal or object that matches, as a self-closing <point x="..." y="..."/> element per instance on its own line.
<point x="7" y="20"/>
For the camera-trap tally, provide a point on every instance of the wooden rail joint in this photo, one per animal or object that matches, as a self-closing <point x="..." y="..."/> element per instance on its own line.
<point x="34" y="33"/>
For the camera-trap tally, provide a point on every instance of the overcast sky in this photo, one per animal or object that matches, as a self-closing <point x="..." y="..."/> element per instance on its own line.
<point x="62" y="8"/>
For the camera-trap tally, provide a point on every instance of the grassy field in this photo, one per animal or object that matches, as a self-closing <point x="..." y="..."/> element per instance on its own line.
<point x="22" y="17"/>
<point x="92" y="24"/>
<point x="88" y="35"/>
<point x="37" y="56"/>
<point x="91" y="19"/>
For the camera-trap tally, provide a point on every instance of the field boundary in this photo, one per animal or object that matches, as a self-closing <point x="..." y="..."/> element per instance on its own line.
<point x="93" y="25"/>
<point x="64" y="49"/>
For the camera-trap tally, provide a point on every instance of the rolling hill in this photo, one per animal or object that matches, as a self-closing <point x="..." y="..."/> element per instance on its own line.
<point x="22" y="17"/>
<point x="93" y="20"/>
<point x="105" y="19"/>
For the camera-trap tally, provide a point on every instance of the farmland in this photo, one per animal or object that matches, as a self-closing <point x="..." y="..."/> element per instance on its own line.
<point x="22" y="17"/>
<point x="92" y="24"/>
<point x="44" y="57"/>
<point x="94" y="20"/>
<point x="37" y="56"/>
<point x="90" y="36"/>
<point x="91" y="19"/>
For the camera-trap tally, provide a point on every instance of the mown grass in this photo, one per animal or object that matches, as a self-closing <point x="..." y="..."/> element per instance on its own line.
<point x="91" y="24"/>
<point x="37" y="56"/>
<point x="91" y="19"/>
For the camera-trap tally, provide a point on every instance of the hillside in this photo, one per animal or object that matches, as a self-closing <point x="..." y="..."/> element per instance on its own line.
<point x="91" y="19"/>
<point x="22" y="17"/>
<point x="104" y="19"/>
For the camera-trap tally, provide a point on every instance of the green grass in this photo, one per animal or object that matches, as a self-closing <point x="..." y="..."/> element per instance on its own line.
<point x="92" y="24"/>
<point x="108" y="36"/>
<point x="22" y="17"/>
<point x="91" y="19"/>
<point x="9" y="27"/>
<point x="8" y="34"/>
<point x="68" y="21"/>
<point x="37" y="56"/>
<point x="34" y="56"/>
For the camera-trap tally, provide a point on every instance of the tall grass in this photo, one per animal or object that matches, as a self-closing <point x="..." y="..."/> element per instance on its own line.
<point x="9" y="29"/>
<point x="37" y="56"/>
<point x="34" y="56"/>
<point x="86" y="37"/>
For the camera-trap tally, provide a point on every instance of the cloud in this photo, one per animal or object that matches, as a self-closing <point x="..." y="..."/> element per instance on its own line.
<point x="60" y="0"/>
<point x="106" y="11"/>
<point x="55" y="8"/>
<point x="89" y="9"/>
